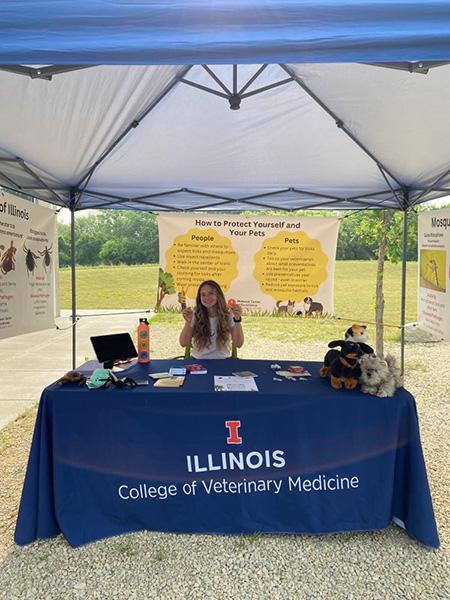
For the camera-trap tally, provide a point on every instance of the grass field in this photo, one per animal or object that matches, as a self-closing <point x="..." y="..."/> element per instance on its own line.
<point x="126" y="287"/>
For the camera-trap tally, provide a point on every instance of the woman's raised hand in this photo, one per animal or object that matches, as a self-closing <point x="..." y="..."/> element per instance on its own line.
<point x="237" y="311"/>
<point x="187" y="313"/>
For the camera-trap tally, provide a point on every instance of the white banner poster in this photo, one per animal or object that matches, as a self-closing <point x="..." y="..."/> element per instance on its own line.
<point x="27" y="286"/>
<point x="434" y="272"/>
<point x="265" y="264"/>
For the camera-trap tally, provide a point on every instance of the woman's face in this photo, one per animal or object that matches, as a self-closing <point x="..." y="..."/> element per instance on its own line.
<point x="208" y="297"/>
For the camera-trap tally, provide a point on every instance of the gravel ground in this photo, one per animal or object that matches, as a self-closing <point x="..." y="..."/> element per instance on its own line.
<point x="370" y="565"/>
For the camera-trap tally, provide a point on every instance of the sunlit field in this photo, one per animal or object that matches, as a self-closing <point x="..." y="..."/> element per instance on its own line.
<point x="125" y="287"/>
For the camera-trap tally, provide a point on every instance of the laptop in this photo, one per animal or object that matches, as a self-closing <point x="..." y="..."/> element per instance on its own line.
<point x="116" y="346"/>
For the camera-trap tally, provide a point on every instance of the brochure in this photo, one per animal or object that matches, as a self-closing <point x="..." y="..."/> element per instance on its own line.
<point x="245" y="374"/>
<point x="234" y="384"/>
<point x="297" y="369"/>
<point x="196" y="369"/>
<point x="169" y="382"/>
<point x="160" y="375"/>
<point x="177" y="370"/>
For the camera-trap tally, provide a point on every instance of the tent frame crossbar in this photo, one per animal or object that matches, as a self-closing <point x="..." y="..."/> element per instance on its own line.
<point x="236" y="96"/>
<point x="421" y="66"/>
<point x="39" y="180"/>
<point x="11" y="181"/>
<point x="23" y="165"/>
<point x="431" y="188"/>
<point x="399" y="200"/>
<point x="135" y="123"/>
<point x="358" y="200"/>
<point x="339" y="122"/>
<point x="249" y="82"/>
<point x="45" y="73"/>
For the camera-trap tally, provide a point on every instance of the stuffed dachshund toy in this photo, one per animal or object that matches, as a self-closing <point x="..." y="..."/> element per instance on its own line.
<point x="343" y="366"/>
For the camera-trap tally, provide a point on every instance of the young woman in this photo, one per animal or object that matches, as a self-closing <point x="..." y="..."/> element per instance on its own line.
<point x="212" y="327"/>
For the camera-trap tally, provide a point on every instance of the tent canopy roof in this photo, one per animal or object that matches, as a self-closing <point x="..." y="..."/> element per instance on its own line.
<point x="152" y="127"/>
<point x="93" y="32"/>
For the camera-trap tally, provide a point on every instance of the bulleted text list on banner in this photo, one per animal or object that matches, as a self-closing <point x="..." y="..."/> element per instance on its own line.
<point x="266" y="264"/>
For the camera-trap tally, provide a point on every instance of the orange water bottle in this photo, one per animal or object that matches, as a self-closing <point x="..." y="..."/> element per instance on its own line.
<point x="143" y="334"/>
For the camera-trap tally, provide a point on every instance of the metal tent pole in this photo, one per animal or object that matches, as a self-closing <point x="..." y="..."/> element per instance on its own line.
<point x="74" y="303"/>
<point x="403" y="303"/>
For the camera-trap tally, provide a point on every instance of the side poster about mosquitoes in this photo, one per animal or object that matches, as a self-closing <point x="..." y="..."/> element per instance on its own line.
<point x="266" y="264"/>
<point x="434" y="272"/>
<point x="26" y="266"/>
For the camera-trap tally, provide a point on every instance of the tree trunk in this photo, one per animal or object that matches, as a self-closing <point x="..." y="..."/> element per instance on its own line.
<point x="160" y="294"/>
<point x="379" y="295"/>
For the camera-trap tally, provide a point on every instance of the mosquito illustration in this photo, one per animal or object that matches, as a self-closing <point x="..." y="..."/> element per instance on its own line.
<point x="432" y="266"/>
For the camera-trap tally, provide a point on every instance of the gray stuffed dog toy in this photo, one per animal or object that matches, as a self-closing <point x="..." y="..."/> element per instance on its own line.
<point x="379" y="377"/>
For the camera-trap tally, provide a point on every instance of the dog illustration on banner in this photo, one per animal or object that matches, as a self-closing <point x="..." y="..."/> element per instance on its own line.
<point x="310" y="308"/>
<point x="287" y="309"/>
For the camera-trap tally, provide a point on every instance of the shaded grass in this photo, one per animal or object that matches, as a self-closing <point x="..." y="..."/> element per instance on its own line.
<point x="135" y="287"/>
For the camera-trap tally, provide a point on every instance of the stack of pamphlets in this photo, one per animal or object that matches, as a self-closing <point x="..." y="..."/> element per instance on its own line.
<point x="295" y="371"/>
<point x="245" y="374"/>
<point x="160" y="375"/>
<point x="299" y="371"/>
<point x="196" y="369"/>
<point x="171" y="381"/>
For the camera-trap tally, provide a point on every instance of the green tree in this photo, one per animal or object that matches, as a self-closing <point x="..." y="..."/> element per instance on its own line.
<point x="111" y="237"/>
<point x="111" y="252"/>
<point x="136" y="233"/>
<point x="87" y="248"/>
<point x="64" y="244"/>
<point x="165" y="286"/>
<point x="384" y="228"/>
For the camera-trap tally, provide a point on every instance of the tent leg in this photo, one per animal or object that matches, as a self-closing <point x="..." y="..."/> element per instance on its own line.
<point x="403" y="303"/>
<point x="74" y="303"/>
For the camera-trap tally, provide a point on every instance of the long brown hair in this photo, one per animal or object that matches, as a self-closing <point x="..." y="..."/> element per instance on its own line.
<point x="201" y="333"/>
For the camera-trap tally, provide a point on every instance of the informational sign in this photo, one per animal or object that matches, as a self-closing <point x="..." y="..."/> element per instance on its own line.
<point x="434" y="272"/>
<point x="265" y="264"/>
<point x="26" y="266"/>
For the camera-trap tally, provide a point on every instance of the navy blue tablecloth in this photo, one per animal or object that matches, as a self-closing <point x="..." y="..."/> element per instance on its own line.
<point x="297" y="457"/>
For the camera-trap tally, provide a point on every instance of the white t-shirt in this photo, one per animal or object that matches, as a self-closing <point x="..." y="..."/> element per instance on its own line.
<point x="212" y="351"/>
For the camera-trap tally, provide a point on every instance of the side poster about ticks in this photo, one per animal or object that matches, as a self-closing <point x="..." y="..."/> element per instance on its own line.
<point x="27" y="278"/>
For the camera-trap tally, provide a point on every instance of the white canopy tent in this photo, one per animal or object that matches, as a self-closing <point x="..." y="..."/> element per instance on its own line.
<point x="233" y="105"/>
<point x="338" y="136"/>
